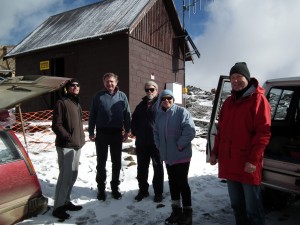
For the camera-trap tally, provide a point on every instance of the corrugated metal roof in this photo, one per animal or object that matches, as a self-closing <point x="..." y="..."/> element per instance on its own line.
<point x="92" y="21"/>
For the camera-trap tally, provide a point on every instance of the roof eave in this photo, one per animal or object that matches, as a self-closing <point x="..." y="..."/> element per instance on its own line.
<point x="116" y="32"/>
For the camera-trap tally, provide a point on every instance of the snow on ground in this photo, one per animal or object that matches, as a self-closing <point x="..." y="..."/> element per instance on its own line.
<point x="209" y="194"/>
<point x="210" y="199"/>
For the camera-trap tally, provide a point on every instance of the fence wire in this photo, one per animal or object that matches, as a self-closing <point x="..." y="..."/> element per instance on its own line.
<point x="37" y="128"/>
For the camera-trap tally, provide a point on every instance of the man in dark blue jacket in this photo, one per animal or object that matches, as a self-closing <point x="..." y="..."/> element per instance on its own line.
<point x="143" y="119"/>
<point x="109" y="114"/>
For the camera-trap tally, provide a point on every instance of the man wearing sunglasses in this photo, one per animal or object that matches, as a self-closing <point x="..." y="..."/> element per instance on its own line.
<point x="143" y="119"/>
<point x="68" y="127"/>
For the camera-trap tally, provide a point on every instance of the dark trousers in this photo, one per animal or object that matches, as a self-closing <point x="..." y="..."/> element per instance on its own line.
<point x="178" y="183"/>
<point x="144" y="155"/>
<point x="103" y="140"/>
<point x="246" y="203"/>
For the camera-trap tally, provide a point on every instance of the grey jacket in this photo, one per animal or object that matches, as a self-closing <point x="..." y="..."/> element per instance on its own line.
<point x="173" y="132"/>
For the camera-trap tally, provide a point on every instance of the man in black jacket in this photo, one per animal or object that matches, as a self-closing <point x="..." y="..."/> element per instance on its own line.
<point x="68" y="127"/>
<point x="143" y="119"/>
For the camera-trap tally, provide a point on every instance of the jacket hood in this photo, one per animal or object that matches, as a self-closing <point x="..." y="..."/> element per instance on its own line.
<point x="253" y="88"/>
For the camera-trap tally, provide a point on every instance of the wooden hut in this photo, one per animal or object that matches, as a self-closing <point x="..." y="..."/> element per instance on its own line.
<point x="139" y="40"/>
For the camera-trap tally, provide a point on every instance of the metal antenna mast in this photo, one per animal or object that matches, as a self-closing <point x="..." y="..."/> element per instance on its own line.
<point x="187" y="38"/>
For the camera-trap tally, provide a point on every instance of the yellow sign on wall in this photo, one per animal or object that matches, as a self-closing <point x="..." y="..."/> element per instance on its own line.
<point x="45" y="65"/>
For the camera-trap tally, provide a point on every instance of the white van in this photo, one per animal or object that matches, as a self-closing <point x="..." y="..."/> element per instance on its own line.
<point x="281" y="168"/>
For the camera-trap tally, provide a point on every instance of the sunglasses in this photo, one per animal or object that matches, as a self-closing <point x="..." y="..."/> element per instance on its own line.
<point x="149" y="89"/>
<point x="75" y="85"/>
<point x="166" y="98"/>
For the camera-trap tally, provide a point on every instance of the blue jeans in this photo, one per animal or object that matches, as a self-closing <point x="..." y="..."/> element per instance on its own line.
<point x="246" y="202"/>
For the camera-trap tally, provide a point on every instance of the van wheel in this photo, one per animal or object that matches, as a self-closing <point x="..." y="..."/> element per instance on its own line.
<point x="274" y="199"/>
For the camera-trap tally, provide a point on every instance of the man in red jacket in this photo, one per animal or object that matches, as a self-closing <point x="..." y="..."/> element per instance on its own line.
<point x="243" y="134"/>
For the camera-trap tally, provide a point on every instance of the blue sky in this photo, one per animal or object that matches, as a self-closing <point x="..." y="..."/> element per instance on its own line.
<point x="21" y="18"/>
<point x="265" y="34"/>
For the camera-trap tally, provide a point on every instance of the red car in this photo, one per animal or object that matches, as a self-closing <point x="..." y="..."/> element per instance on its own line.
<point x="20" y="191"/>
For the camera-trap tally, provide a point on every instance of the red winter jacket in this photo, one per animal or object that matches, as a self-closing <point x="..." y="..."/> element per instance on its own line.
<point x="243" y="133"/>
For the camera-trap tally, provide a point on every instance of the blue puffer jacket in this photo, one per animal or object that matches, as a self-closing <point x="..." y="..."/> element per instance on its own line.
<point x="173" y="132"/>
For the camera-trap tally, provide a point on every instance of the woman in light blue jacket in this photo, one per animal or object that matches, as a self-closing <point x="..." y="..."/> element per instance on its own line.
<point x="173" y="132"/>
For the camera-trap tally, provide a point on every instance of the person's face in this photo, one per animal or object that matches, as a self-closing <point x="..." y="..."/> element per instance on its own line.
<point x="167" y="101"/>
<point x="110" y="83"/>
<point x="238" y="82"/>
<point x="151" y="91"/>
<point x="74" y="88"/>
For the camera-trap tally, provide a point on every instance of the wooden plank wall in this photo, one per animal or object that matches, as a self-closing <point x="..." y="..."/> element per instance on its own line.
<point x="155" y="29"/>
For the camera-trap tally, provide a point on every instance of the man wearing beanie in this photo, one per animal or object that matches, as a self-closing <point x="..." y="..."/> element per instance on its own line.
<point x="68" y="127"/>
<point x="243" y="133"/>
<point x="142" y="123"/>
<point x="174" y="131"/>
<point x="241" y="68"/>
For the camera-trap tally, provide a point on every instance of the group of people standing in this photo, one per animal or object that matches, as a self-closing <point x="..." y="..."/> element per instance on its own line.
<point x="164" y="132"/>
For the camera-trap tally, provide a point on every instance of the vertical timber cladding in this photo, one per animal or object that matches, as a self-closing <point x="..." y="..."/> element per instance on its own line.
<point x="153" y="47"/>
<point x="155" y="28"/>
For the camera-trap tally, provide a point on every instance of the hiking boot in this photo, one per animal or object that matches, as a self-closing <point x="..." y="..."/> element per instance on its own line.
<point x="186" y="217"/>
<point x="60" y="213"/>
<point x="116" y="194"/>
<point x="141" y="195"/>
<point x="71" y="207"/>
<point x="101" y="196"/>
<point x="158" y="198"/>
<point x="175" y="215"/>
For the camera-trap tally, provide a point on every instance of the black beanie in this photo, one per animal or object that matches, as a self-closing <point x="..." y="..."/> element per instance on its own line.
<point x="68" y="84"/>
<point x="241" y="68"/>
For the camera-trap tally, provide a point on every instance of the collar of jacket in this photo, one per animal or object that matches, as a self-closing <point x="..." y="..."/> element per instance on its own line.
<point x="248" y="91"/>
<point x="152" y="100"/>
<point x="74" y="98"/>
<point x="171" y="108"/>
<point x="115" y="90"/>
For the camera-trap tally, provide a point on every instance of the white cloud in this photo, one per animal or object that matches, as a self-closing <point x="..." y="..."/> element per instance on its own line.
<point x="20" y="18"/>
<point x="265" y="34"/>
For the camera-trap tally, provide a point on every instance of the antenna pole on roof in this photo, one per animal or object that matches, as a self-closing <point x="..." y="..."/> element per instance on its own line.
<point x="194" y="4"/>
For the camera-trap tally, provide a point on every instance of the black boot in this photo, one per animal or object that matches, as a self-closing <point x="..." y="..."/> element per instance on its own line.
<point x="101" y="196"/>
<point x="141" y="195"/>
<point x="186" y="217"/>
<point x="116" y="194"/>
<point x="71" y="207"/>
<point x="175" y="215"/>
<point x="60" y="213"/>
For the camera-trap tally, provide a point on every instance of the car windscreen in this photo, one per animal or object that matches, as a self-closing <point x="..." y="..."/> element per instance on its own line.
<point x="8" y="150"/>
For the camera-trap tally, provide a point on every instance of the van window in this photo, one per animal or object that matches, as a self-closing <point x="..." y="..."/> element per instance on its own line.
<point x="280" y="100"/>
<point x="8" y="151"/>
